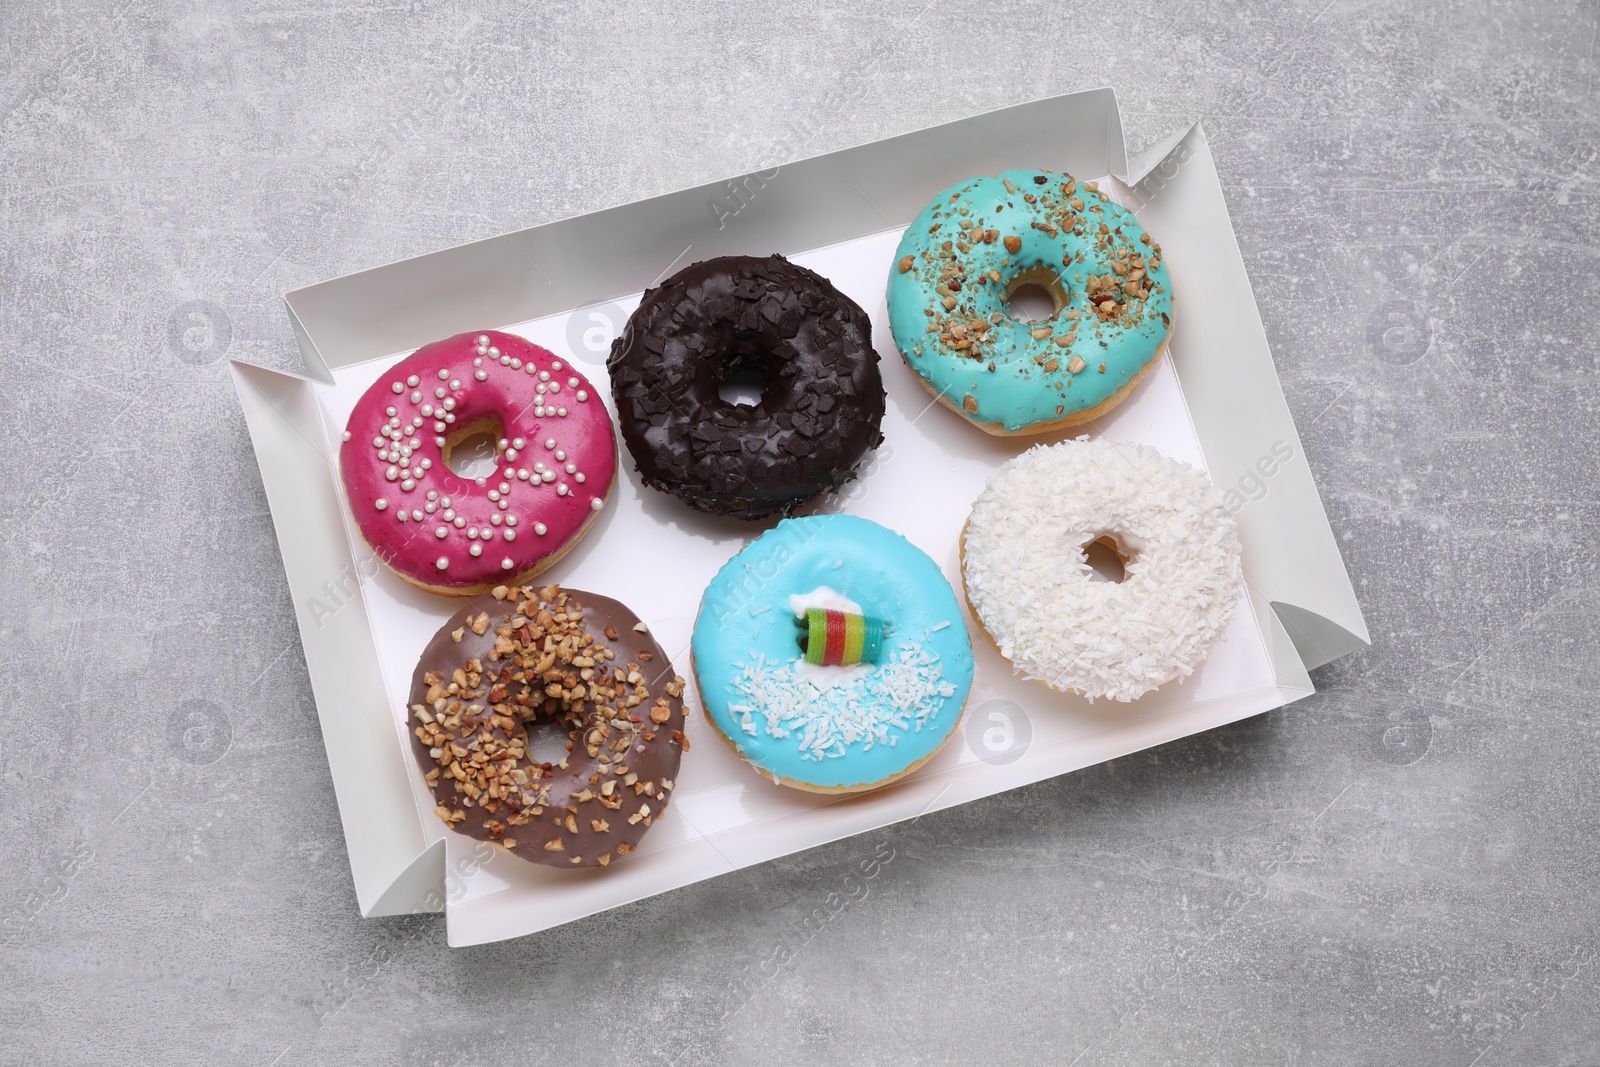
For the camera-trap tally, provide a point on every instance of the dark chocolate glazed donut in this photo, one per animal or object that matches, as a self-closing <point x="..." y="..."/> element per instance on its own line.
<point x="581" y="660"/>
<point x="809" y="345"/>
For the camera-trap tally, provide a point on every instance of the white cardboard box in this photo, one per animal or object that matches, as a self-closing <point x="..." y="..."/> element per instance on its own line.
<point x="1214" y="401"/>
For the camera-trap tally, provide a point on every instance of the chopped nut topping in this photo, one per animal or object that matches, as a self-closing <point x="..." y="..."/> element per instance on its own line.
<point x="545" y="664"/>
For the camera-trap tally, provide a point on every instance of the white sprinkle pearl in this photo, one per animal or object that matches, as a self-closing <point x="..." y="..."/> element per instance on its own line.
<point x="483" y="339"/>
<point x="505" y="564"/>
<point x="381" y="504"/>
<point x="413" y="381"/>
<point x="549" y="442"/>
<point x="597" y="503"/>
<point x="409" y="484"/>
<point x="481" y="375"/>
<point x="555" y="364"/>
<point x="443" y="375"/>
<point x="540" y="528"/>
<point x="572" y="382"/>
<point x="442" y="563"/>
<point x="583" y="394"/>
<point x="576" y="477"/>
<point x="441" y="532"/>
<point x="398" y="387"/>
<point x="393" y="473"/>
<point x="511" y="535"/>
<point x="476" y="550"/>
<point x="511" y="520"/>
<point x="346" y="436"/>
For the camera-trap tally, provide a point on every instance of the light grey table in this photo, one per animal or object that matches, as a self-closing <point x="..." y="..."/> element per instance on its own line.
<point x="1399" y="871"/>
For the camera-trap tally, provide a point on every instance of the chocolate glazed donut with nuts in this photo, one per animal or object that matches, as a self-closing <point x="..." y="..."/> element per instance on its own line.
<point x="581" y="660"/>
<point x="808" y="344"/>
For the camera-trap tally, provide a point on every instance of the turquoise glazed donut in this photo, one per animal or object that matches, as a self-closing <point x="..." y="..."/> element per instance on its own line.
<point x="832" y="729"/>
<point x="979" y="242"/>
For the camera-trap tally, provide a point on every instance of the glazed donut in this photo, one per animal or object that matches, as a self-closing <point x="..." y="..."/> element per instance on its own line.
<point x="459" y="536"/>
<point x="811" y="347"/>
<point x="979" y="242"/>
<point x="1028" y="580"/>
<point x="831" y="655"/>
<point x="580" y="660"/>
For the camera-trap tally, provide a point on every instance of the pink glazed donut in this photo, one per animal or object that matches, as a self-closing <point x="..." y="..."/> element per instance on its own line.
<point x="556" y="461"/>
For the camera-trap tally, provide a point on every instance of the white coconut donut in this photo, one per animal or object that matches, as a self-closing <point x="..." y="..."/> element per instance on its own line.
<point x="1028" y="579"/>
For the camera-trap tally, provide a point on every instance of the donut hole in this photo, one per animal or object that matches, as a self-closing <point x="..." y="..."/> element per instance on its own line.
<point x="1107" y="560"/>
<point x="1035" y="294"/>
<point x="473" y="450"/>
<point x="743" y="383"/>
<point x="548" y="740"/>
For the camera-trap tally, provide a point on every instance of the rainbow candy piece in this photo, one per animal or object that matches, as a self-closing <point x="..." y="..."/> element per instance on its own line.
<point x="840" y="638"/>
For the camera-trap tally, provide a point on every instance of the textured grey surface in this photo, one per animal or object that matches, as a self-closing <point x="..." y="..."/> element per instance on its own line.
<point x="1400" y="870"/>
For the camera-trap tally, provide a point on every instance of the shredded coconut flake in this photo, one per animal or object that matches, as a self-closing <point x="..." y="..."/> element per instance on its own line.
<point x="1029" y="583"/>
<point x="900" y="695"/>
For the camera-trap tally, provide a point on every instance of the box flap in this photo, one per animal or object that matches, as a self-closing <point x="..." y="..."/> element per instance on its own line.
<point x="370" y="774"/>
<point x="1239" y="411"/>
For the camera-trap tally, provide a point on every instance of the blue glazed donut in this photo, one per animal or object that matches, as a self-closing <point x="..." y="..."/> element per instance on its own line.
<point x="832" y="729"/>
<point x="975" y="245"/>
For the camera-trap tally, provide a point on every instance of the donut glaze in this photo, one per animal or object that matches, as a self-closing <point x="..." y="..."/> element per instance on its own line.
<point x="486" y="675"/>
<point x="555" y="462"/>
<point x="810" y="346"/>
<point x="973" y="246"/>
<point x="1028" y="579"/>
<point x="832" y="729"/>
